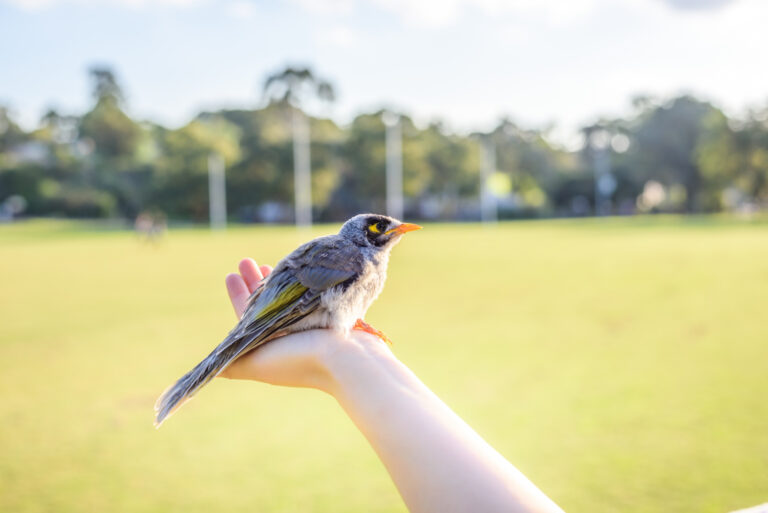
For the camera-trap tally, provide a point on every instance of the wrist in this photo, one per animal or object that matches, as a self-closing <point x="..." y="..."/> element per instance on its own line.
<point x="354" y="361"/>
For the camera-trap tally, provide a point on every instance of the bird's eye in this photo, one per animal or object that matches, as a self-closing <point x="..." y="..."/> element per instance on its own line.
<point x="374" y="228"/>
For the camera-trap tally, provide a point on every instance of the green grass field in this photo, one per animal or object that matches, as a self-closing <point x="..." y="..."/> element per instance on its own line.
<point x="621" y="364"/>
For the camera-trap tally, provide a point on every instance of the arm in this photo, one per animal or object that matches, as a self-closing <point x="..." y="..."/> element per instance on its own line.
<point x="437" y="462"/>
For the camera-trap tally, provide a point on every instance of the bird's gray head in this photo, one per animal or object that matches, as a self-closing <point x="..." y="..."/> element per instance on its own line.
<point x="375" y="230"/>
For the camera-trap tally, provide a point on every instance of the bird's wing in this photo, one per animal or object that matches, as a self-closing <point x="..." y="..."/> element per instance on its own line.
<point x="326" y="262"/>
<point x="293" y="290"/>
<point x="290" y="293"/>
<point x="279" y="302"/>
<point x="318" y="265"/>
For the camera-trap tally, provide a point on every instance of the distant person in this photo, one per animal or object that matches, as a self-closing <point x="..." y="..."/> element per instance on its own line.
<point x="143" y="225"/>
<point x="437" y="462"/>
<point x="159" y="226"/>
<point x="12" y="207"/>
<point x="150" y="226"/>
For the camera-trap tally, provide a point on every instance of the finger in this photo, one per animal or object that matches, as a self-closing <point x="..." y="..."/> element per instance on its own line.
<point x="238" y="292"/>
<point x="266" y="270"/>
<point x="251" y="273"/>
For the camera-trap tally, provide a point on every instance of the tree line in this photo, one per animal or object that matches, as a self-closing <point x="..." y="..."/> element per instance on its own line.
<point x="680" y="154"/>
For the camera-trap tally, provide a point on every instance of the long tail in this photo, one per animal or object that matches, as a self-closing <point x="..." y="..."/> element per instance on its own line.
<point x="183" y="390"/>
<point x="270" y="311"/>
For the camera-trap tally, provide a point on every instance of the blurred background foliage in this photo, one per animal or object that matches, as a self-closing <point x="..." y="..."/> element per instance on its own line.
<point x="679" y="154"/>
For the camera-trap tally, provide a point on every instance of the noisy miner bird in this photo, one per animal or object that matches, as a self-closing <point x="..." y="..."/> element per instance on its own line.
<point x="329" y="282"/>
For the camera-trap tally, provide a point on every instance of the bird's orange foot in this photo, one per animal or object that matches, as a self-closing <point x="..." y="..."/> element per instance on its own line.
<point x="364" y="326"/>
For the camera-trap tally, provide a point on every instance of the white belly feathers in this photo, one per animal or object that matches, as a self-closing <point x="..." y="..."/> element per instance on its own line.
<point x="346" y="306"/>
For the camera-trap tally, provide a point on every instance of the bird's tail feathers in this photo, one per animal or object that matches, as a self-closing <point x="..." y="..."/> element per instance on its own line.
<point x="268" y="324"/>
<point x="183" y="390"/>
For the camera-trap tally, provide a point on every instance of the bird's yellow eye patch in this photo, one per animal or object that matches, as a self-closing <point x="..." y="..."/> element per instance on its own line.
<point x="374" y="228"/>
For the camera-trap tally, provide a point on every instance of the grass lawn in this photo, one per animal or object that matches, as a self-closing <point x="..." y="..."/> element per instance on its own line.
<point x="621" y="364"/>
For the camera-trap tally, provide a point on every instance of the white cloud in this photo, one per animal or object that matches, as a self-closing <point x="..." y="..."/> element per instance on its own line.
<point x="440" y="13"/>
<point x="31" y="5"/>
<point x="698" y="4"/>
<point x="443" y="13"/>
<point x="242" y="9"/>
<point x="429" y="13"/>
<point x="37" y="5"/>
<point x="327" y="6"/>
<point x="339" y="36"/>
<point x="558" y="11"/>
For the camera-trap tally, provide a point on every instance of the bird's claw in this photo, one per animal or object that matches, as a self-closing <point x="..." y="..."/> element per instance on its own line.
<point x="364" y="326"/>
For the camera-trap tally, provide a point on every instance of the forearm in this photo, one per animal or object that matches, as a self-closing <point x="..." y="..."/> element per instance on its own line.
<point x="437" y="462"/>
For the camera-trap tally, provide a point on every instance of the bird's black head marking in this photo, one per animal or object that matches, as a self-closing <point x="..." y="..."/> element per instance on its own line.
<point x="370" y="230"/>
<point x="377" y="227"/>
<point x="375" y="230"/>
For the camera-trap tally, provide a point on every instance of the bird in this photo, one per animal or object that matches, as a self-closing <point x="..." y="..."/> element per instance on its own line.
<point x="328" y="282"/>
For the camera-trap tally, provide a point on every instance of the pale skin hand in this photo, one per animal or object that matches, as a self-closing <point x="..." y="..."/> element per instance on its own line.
<point x="437" y="462"/>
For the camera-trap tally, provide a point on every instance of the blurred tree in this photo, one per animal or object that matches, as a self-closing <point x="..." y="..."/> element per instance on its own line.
<point x="327" y="140"/>
<point x="10" y="132"/>
<point x="754" y="146"/>
<point x="452" y="169"/>
<point x="181" y="180"/>
<point x="60" y="133"/>
<point x="733" y="157"/>
<point x="609" y="139"/>
<point x="529" y="159"/>
<point x="416" y="167"/>
<point x="438" y="168"/>
<point x="113" y="133"/>
<point x="105" y="163"/>
<point x="362" y="186"/>
<point x="258" y="177"/>
<point x="105" y="84"/>
<point x="43" y="167"/>
<point x="258" y="188"/>
<point x="291" y="87"/>
<point x="295" y="86"/>
<point x="664" y="144"/>
<point x="111" y="139"/>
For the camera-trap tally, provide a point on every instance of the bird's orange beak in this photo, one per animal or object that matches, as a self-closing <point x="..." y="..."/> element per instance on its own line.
<point x="403" y="228"/>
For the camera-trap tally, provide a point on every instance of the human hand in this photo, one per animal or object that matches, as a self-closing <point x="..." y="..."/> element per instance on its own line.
<point x="305" y="359"/>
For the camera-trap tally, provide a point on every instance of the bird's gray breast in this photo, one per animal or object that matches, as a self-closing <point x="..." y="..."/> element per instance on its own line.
<point x="348" y="302"/>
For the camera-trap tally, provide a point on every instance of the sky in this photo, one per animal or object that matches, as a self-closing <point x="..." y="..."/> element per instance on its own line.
<point x="467" y="63"/>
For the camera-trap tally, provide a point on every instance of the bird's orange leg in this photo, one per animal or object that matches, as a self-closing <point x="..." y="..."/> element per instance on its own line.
<point x="364" y="326"/>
